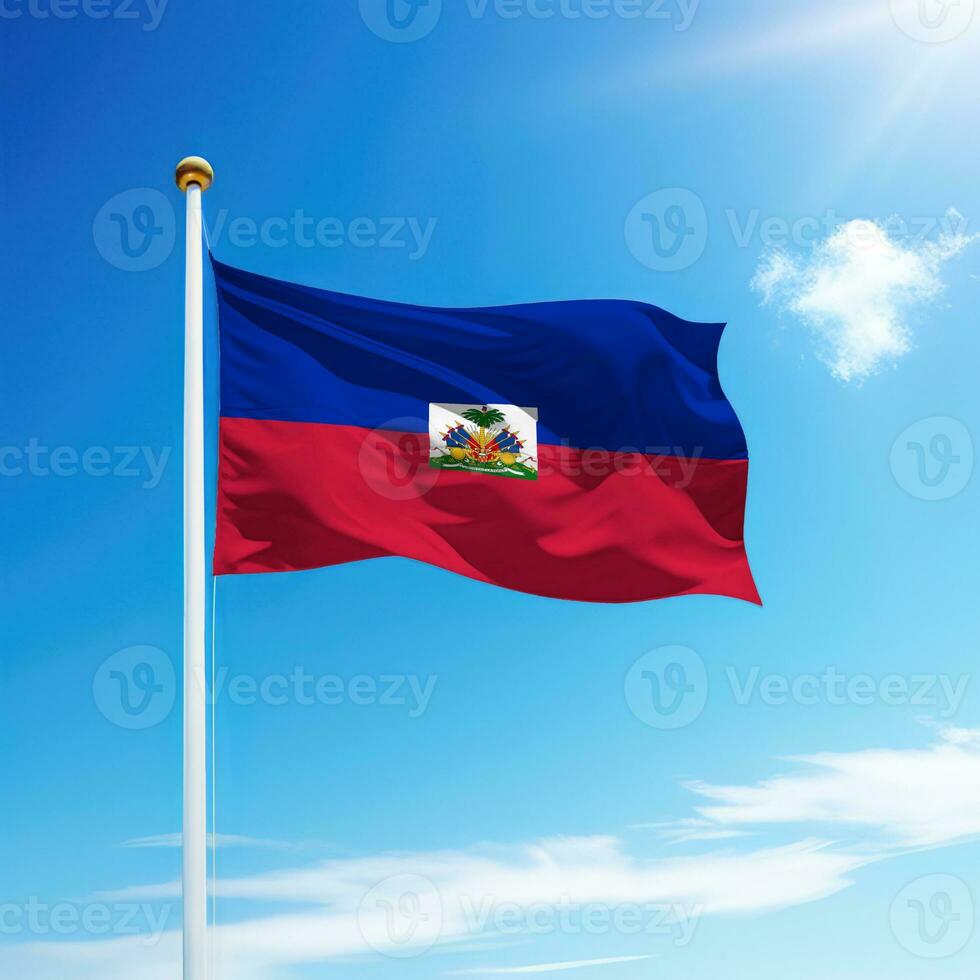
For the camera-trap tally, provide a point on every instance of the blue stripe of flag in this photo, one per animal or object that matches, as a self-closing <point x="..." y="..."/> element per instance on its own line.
<point x="607" y="374"/>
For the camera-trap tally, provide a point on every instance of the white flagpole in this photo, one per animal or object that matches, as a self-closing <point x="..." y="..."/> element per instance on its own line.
<point x="194" y="176"/>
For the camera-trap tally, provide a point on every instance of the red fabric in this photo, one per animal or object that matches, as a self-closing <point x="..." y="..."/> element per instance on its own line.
<point x="595" y="526"/>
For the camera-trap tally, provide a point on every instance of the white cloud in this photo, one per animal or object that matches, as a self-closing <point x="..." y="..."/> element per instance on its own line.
<point x="961" y="736"/>
<point x="915" y="797"/>
<point x="688" y="830"/>
<point x="584" y="871"/>
<point x="329" y="921"/>
<point x="547" y="967"/>
<point x="856" y="289"/>
<point x="897" y="798"/>
<point x="112" y="959"/>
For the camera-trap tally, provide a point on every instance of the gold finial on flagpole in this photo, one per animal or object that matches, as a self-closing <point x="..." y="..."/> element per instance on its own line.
<point x="194" y="170"/>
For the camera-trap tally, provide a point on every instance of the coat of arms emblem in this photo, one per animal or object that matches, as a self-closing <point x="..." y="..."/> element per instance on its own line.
<point x="499" y="440"/>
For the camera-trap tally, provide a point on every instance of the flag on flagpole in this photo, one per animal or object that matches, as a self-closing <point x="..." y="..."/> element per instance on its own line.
<point x="580" y="450"/>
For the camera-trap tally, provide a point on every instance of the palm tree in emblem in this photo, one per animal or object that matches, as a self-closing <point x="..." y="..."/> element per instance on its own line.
<point x="484" y="418"/>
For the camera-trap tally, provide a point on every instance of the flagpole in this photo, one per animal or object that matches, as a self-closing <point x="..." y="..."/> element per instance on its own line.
<point x="194" y="175"/>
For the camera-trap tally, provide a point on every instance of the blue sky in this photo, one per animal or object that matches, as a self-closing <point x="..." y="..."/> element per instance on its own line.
<point x="812" y="805"/>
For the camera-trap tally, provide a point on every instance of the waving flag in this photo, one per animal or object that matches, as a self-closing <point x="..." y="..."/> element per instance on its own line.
<point x="581" y="450"/>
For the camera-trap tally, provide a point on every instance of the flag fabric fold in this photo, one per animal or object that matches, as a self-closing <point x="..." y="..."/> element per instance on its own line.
<point x="580" y="450"/>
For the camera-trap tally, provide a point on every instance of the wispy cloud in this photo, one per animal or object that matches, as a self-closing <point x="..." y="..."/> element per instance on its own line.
<point x="546" y="967"/>
<point x="689" y="830"/>
<point x="892" y="799"/>
<point x="548" y="873"/>
<point x="856" y="289"/>
<point x="474" y="890"/>
<point x="110" y="959"/>
<point x="914" y="797"/>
